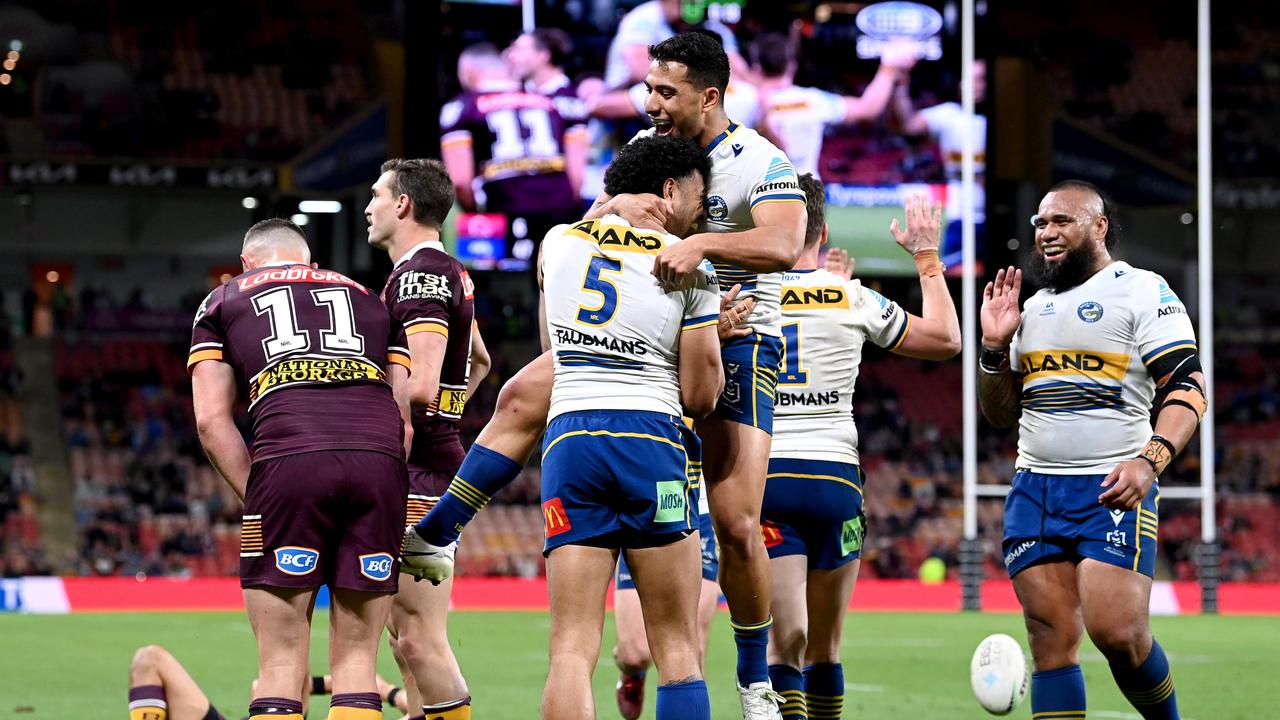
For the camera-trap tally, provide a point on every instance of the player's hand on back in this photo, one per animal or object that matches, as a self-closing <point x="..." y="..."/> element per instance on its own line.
<point x="642" y="210"/>
<point x="924" y="225"/>
<point x="840" y="263"/>
<point x="1127" y="485"/>
<point x="1000" y="315"/>
<point x="734" y="314"/>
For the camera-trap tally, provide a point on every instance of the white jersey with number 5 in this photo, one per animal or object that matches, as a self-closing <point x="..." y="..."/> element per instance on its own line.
<point x="825" y="320"/>
<point x="746" y="172"/>
<point x="615" y="332"/>
<point x="1083" y="356"/>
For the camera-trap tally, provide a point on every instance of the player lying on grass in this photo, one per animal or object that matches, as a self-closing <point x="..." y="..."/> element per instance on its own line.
<point x="160" y="688"/>
<point x="813" y="519"/>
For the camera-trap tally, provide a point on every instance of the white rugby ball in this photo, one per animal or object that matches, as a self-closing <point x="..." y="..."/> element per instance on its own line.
<point x="998" y="674"/>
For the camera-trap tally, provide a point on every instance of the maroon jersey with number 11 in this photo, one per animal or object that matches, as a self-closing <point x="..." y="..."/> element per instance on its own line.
<point x="310" y="349"/>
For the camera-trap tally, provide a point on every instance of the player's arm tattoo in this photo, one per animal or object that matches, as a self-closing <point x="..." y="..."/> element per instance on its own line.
<point x="999" y="389"/>
<point x="1181" y="402"/>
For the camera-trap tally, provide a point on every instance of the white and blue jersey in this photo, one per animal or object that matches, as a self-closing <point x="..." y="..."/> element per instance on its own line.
<point x="1084" y="358"/>
<point x="616" y="456"/>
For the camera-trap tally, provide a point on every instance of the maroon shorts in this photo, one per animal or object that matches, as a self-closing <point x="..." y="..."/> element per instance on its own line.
<point x="425" y="488"/>
<point x="330" y="517"/>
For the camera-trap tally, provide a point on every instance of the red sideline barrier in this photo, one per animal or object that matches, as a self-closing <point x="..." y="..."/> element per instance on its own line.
<point x="129" y="594"/>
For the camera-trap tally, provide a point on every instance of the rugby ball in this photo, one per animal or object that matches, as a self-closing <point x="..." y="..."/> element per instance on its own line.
<point x="998" y="674"/>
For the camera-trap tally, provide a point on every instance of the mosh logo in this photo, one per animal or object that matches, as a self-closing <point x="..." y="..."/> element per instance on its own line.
<point x="292" y="560"/>
<point x="671" y="505"/>
<point x="376" y="566"/>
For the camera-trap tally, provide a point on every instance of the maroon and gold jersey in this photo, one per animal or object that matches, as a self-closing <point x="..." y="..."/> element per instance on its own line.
<point x="517" y="142"/>
<point x="429" y="291"/>
<point x="310" y="348"/>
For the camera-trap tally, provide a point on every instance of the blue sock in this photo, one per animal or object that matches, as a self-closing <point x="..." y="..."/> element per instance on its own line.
<point x="1059" y="691"/>
<point x="684" y="701"/>
<point x="824" y="690"/>
<point x="1149" y="687"/>
<point x="483" y="473"/>
<point x="753" y="646"/>
<point x="789" y="683"/>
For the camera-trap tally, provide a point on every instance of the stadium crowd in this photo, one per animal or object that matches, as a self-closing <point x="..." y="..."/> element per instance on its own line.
<point x="146" y="500"/>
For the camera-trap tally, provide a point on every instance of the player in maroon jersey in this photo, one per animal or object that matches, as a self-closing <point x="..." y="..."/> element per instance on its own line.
<point x="325" y="370"/>
<point x="537" y="59"/>
<point x="509" y="150"/>
<point x="430" y="293"/>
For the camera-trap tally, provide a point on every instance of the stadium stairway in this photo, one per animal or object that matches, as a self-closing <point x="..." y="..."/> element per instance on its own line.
<point x="43" y="419"/>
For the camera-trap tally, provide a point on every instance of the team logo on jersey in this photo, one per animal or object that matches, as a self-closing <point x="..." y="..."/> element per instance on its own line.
<point x="376" y="566"/>
<point x="1048" y="309"/>
<point x="1089" y="311"/>
<point x="554" y="519"/>
<point x="204" y="308"/>
<point x="292" y="560"/>
<point x="717" y="208"/>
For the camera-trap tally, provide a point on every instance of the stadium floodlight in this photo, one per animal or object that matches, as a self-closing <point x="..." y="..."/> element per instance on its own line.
<point x="300" y="219"/>
<point x="249" y="203"/>
<point x="321" y="207"/>
<point x="15" y="45"/>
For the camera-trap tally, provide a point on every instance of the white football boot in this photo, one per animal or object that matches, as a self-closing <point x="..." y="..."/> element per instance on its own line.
<point x="425" y="561"/>
<point x="759" y="701"/>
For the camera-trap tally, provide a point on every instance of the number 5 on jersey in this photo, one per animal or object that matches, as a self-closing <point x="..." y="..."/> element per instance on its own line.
<point x="604" y="287"/>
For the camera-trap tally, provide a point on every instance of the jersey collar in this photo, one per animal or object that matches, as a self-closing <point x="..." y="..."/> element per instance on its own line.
<point x="733" y="128"/>
<point x="433" y="244"/>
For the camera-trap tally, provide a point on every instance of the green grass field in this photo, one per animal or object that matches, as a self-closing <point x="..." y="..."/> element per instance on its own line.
<point x="896" y="665"/>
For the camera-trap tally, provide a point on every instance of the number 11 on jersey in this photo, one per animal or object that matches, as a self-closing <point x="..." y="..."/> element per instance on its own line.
<point x="793" y="373"/>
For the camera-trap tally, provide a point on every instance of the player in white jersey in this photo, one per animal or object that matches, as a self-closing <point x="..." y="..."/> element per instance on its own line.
<point x="797" y="117"/>
<point x="756" y="220"/>
<point x="631" y="357"/>
<point x="1083" y="365"/>
<point x="754" y="232"/>
<point x="812" y="520"/>
<point x="946" y="124"/>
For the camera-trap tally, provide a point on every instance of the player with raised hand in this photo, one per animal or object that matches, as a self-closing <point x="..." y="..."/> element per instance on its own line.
<point x="632" y="356"/>
<point x="430" y="294"/>
<point x="325" y="370"/>
<point x="1079" y="370"/>
<point x="813" y="521"/>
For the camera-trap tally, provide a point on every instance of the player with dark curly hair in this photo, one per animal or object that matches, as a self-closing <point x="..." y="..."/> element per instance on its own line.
<point x="632" y="354"/>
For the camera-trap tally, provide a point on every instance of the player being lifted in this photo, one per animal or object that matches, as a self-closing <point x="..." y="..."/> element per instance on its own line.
<point x="632" y="355"/>
<point x="1077" y="370"/>
<point x="756" y="217"/>
<point x="813" y="520"/>
<point x="325" y="371"/>
<point x="430" y="294"/>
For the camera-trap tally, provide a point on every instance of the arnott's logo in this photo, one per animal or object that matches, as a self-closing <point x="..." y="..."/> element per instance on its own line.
<point x="307" y="371"/>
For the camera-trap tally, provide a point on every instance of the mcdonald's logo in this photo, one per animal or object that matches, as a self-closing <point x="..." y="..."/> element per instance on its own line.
<point x="770" y="534"/>
<point x="554" y="518"/>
